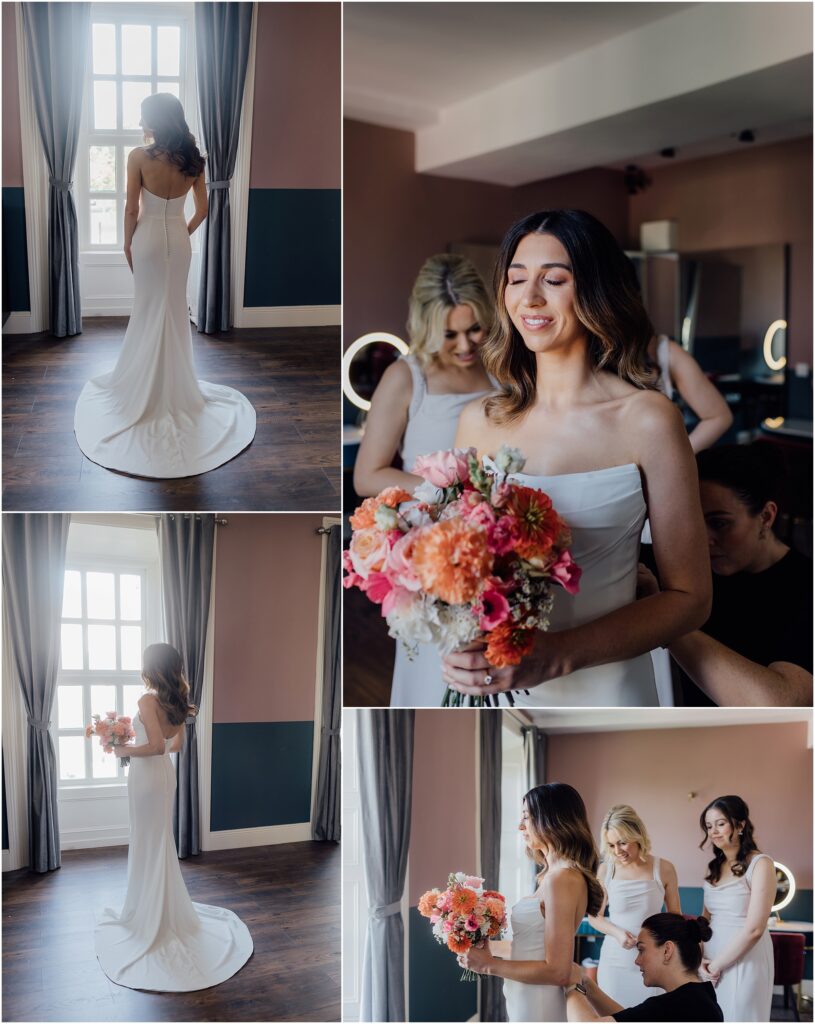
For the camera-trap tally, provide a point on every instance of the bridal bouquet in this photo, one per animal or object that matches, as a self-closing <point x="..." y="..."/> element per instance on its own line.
<point x="113" y="731"/>
<point x="464" y="914"/>
<point x="469" y="555"/>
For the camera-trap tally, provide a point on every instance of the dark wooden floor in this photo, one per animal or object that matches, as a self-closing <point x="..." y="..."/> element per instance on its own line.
<point x="368" y="653"/>
<point x="290" y="375"/>
<point x="288" y="896"/>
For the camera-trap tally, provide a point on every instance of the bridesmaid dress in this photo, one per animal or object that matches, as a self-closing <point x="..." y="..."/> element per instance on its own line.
<point x="531" y="1002"/>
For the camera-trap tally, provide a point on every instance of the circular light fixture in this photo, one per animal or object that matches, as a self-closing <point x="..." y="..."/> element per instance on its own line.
<point x="356" y="347"/>
<point x="769" y="337"/>
<point x="788" y="898"/>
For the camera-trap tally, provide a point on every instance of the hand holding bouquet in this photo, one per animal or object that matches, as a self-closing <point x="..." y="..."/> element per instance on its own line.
<point x="470" y="555"/>
<point x="113" y="731"/>
<point x="465" y="914"/>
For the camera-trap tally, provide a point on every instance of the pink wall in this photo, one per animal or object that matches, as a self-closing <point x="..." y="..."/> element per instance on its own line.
<point x="267" y="590"/>
<point x="296" y="114"/>
<point x="769" y="766"/>
<point x="12" y="145"/>
<point x="443" y="824"/>
<point x="752" y="197"/>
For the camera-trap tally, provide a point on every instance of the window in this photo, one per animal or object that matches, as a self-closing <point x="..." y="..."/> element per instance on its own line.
<point x="516" y="873"/>
<point x="136" y="50"/>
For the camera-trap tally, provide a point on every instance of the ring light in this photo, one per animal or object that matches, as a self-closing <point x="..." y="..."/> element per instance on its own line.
<point x="358" y="346"/>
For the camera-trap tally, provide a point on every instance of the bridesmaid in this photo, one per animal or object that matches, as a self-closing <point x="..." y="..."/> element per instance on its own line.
<point x="739" y="893"/>
<point x="415" y="410"/>
<point x="637" y="884"/>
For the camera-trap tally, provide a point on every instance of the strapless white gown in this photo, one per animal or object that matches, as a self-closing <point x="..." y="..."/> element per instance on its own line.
<point x="160" y="940"/>
<point x="150" y="416"/>
<point x="542" y="1003"/>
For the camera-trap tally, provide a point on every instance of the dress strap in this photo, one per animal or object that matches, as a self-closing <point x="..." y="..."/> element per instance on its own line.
<point x="419" y="384"/>
<point x="749" y="872"/>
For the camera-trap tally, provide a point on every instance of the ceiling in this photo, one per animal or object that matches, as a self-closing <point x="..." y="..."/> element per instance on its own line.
<point x="567" y="720"/>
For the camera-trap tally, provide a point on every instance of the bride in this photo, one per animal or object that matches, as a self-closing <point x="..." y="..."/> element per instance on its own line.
<point x="161" y="940"/>
<point x="557" y="834"/>
<point x="569" y="350"/>
<point x="150" y="416"/>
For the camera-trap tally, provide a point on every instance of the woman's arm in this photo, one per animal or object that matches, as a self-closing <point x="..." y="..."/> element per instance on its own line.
<point x="132" y="201"/>
<point x="667" y="873"/>
<point x="762" y="894"/>
<point x="715" y="417"/>
<point x="384" y="428"/>
<point x="199" y="193"/>
<point x="604" y="924"/>
<point x="148" y="711"/>
<point x="592" y="1004"/>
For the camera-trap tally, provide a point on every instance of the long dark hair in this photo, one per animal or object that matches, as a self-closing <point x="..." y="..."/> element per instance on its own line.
<point x="685" y="934"/>
<point x="607" y="302"/>
<point x="163" y="671"/>
<point x="736" y="811"/>
<point x="163" y="114"/>
<point x="557" y="816"/>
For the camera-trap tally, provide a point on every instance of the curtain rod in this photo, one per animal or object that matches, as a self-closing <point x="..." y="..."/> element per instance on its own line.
<point x="323" y="529"/>
<point x="219" y="521"/>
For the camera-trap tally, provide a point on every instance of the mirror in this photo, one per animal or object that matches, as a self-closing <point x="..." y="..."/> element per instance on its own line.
<point x="364" y="362"/>
<point x="784" y="887"/>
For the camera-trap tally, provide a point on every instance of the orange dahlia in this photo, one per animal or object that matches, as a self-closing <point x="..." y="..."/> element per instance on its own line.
<point x="458" y="943"/>
<point x="463" y="901"/>
<point x="508" y="643"/>
<point x="363" y="517"/>
<point x="427" y="904"/>
<point x="539" y="526"/>
<point x="452" y="560"/>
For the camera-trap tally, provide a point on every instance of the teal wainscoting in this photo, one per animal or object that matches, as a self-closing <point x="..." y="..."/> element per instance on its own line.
<point x="293" y="247"/>
<point x="435" y="990"/>
<point x="261" y="774"/>
<point x="15" y="255"/>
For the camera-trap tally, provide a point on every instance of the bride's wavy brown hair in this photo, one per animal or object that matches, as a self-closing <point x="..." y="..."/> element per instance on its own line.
<point x="163" y="671"/>
<point x="556" y="816"/>
<point x="606" y="301"/>
<point x="163" y="114"/>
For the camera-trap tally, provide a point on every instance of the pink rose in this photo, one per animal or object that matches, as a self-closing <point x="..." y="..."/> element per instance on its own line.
<point x="126" y="719"/>
<point x="398" y="564"/>
<point x="567" y="573"/>
<point x="492" y="608"/>
<point x="444" y="468"/>
<point x="501" y="493"/>
<point x="435" y="918"/>
<point x="473" y="881"/>
<point x="396" y="600"/>
<point x="448" y="925"/>
<point x="369" y="549"/>
<point x="481" y="514"/>
<point x="118" y="729"/>
<point x="502" y="535"/>
<point x="110" y="714"/>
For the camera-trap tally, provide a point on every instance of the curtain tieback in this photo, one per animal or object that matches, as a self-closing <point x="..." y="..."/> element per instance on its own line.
<point x="39" y="724"/>
<point x="219" y="184"/>
<point x="61" y="186"/>
<point x="190" y="720"/>
<point x="386" y="911"/>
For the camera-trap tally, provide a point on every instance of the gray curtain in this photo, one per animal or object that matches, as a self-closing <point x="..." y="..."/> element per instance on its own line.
<point x="33" y="575"/>
<point x="534" y="740"/>
<point x="491" y="1005"/>
<point x="58" y="40"/>
<point x="326" y="823"/>
<point x="186" y="544"/>
<point x="385" y="762"/>
<point x="222" y="32"/>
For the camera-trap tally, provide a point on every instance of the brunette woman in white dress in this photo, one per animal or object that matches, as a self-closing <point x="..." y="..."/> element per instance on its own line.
<point x="161" y="940"/>
<point x="150" y="416"/>
<point x="569" y="351"/>
<point x="739" y="893"/>
<point x="544" y="924"/>
<point x="415" y="411"/>
<point x="637" y="884"/>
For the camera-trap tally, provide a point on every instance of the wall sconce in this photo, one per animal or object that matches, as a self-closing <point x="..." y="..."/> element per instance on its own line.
<point x="353" y="349"/>
<point x="769" y="337"/>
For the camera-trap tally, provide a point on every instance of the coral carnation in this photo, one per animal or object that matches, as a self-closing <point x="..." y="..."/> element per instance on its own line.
<point x="363" y="517"/>
<point x="508" y="643"/>
<point x="427" y="904"/>
<point x="451" y="560"/>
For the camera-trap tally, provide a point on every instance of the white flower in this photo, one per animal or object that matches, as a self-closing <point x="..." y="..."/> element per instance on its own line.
<point x="509" y="460"/>
<point x="457" y="627"/>
<point x="414" y="516"/>
<point x="386" y="518"/>
<point x="428" y="493"/>
<point x="414" y="621"/>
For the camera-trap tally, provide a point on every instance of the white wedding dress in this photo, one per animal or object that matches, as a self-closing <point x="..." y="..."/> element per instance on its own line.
<point x="161" y="940"/>
<point x="542" y="1003"/>
<point x="150" y="416"/>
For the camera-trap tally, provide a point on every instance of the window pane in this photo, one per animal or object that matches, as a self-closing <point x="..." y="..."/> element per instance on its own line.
<point x="72" y="595"/>
<point x="103" y="221"/>
<point x="69" y="708"/>
<point x="104" y="765"/>
<point x="101" y="600"/>
<point x="103" y="697"/>
<point x="104" y="49"/>
<point x="168" y="47"/>
<point x="131" y="648"/>
<point x="71" y="646"/>
<point x="131" y="695"/>
<point x="129" y="596"/>
<point x="103" y="168"/>
<point x="72" y="757"/>
<point x="104" y="105"/>
<point x="169" y="87"/>
<point x="136" y="50"/>
<point x="132" y="95"/>
<point x="102" y="647"/>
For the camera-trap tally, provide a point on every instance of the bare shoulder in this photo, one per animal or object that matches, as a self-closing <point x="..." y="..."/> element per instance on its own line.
<point x="137" y="155"/>
<point x="396" y="384"/>
<point x="667" y="872"/>
<point x="648" y="410"/>
<point x="474" y="426"/>
<point x="149" y="702"/>
<point x="566" y="880"/>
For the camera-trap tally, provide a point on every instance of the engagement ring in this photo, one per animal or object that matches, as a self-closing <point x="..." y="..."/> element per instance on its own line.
<point x="487" y="679"/>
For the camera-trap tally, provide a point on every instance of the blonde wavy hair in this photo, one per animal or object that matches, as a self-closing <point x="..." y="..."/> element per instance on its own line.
<point x="444" y="282"/>
<point x="629" y="826"/>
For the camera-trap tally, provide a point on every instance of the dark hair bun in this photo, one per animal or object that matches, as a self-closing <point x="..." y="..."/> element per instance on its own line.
<point x="703" y="928"/>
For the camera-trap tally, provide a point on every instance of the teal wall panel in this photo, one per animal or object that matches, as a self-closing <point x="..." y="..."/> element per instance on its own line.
<point x="293" y="247"/>
<point x="261" y="774"/>
<point x="15" y="254"/>
<point x="436" y="991"/>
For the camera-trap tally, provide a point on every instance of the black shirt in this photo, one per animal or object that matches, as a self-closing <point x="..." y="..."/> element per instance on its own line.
<point x="763" y="616"/>
<point x="693" y="1001"/>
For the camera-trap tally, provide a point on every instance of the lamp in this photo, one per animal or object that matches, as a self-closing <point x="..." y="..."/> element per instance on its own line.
<point x="785" y="902"/>
<point x="769" y="337"/>
<point x="353" y="349"/>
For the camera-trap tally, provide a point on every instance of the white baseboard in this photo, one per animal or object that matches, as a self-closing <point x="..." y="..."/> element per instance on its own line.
<point x="288" y="316"/>
<point x="18" y="323"/>
<point x="268" y="835"/>
<point x="86" y="838"/>
<point x="107" y="305"/>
